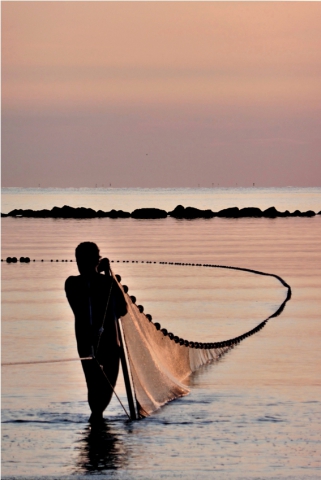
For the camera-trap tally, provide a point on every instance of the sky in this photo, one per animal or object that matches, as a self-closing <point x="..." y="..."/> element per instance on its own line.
<point x="161" y="94"/>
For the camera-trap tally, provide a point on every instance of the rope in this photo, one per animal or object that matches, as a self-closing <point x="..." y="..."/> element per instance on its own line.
<point x="35" y="362"/>
<point x="104" y="318"/>
<point x="114" y="391"/>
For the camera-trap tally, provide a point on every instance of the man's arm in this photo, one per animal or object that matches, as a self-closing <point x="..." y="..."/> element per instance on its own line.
<point x="121" y="304"/>
<point x="70" y="289"/>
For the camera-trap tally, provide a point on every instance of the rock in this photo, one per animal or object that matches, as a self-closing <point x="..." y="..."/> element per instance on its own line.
<point x="297" y="213"/>
<point x="232" y="212"/>
<point x="250" y="212"/>
<point x="149" y="213"/>
<point x="190" y="213"/>
<point x="178" y="212"/>
<point x="42" y="213"/>
<point x="272" y="212"/>
<point x="16" y="212"/>
<point x="309" y="213"/>
<point x="112" y="214"/>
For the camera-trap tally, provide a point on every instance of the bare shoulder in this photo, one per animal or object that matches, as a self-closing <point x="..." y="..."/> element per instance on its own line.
<point x="72" y="282"/>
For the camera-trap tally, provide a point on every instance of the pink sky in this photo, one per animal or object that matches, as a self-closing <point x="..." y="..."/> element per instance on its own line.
<point x="161" y="94"/>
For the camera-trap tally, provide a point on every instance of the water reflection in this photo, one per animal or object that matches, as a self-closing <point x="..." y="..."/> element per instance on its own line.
<point x="101" y="448"/>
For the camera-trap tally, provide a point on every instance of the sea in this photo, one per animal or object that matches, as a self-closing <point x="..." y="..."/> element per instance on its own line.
<point x="254" y="414"/>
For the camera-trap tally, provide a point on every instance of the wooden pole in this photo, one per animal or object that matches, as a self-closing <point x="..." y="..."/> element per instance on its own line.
<point x="125" y="366"/>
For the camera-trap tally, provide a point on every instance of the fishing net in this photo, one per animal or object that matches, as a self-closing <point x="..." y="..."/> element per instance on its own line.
<point x="159" y="361"/>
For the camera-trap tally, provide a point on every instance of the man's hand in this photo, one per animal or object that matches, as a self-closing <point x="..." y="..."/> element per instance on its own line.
<point x="104" y="266"/>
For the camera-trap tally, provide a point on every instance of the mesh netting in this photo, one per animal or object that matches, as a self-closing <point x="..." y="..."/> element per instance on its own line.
<point x="160" y="362"/>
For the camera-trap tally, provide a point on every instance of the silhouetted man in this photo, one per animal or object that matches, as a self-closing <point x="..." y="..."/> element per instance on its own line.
<point x="97" y="303"/>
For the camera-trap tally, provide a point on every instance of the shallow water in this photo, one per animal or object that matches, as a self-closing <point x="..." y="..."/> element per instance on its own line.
<point x="254" y="414"/>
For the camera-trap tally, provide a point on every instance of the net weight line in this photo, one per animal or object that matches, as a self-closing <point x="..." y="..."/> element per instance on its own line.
<point x="230" y="342"/>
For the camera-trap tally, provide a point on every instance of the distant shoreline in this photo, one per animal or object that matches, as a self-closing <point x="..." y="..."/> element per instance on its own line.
<point x="179" y="212"/>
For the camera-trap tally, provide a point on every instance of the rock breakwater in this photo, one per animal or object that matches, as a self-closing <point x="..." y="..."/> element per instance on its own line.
<point x="179" y="212"/>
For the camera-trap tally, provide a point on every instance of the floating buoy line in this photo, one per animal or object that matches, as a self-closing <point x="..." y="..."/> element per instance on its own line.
<point x="183" y="342"/>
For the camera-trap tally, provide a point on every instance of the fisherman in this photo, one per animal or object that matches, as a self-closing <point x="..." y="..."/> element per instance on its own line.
<point x="97" y="303"/>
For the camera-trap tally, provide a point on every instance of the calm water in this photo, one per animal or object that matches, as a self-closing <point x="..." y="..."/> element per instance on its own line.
<point x="254" y="414"/>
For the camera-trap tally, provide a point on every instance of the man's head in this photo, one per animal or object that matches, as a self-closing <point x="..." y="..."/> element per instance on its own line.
<point x="87" y="257"/>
